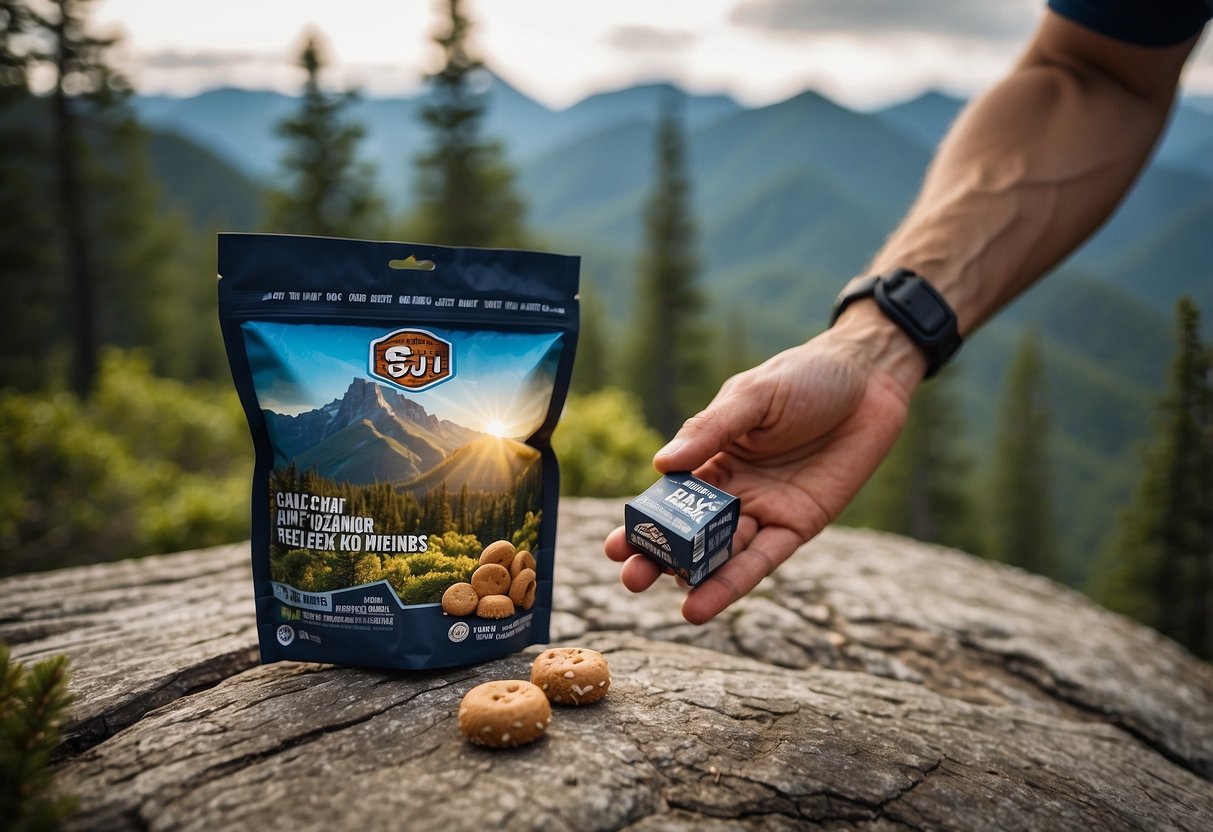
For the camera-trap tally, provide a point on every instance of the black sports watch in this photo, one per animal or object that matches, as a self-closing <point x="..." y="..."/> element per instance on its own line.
<point x="913" y="304"/>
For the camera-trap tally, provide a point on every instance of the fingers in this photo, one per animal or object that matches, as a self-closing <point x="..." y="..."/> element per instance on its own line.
<point x="729" y="417"/>
<point x="638" y="572"/>
<point x="757" y="554"/>
<point x="616" y="545"/>
<point x="744" y="571"/>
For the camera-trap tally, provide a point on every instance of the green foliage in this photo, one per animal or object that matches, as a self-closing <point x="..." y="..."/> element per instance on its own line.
<point x="368" y="569"/>
<point x="426" y="562"/>
<point x="464" y="188"/>
<point x="922" y="487"/>
<point x="454" y="544"/>
<point x="419" y="578"/>
<point x="604" y="446"/>
<point x="148" y="465"/>
<point x="1162" y="572"/>
<point x="27" y="235"/>
<point x="33" y="705"/>
<point x="527" y="537"/>
<point x="427" y="588"/>
<point x="667" y="361"/>
<point x="89" y="253"/>
<point x="592" y="366"/>
<point x="329" y="193"/>
<point x="1021" y="507"/>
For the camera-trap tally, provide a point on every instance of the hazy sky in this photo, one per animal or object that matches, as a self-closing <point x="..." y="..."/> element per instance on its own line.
<point x="860" y="52"/>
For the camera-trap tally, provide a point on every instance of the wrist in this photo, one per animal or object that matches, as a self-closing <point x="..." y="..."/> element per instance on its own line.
<point x="907" y="300"/>
<point x="864" y="330"/>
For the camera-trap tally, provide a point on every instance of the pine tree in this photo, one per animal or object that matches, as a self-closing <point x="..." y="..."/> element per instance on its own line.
<point x="1164" y="552"/>
<point x="28" y="238"/>
<point x="667" y="364"/>
<point x="464" y="188"/>
<point x="590" y="369"/>
<point x="33" y="707"/>
<point x="116" y="270"/>
<point x="922" y="488"/>
<point x="330" y="193"/>
<point x="1021" y="509"/>
<point x="83" y="80"/>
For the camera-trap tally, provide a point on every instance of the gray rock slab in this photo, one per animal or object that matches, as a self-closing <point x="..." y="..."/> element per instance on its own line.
<point x="945" y="663"/>
<point x="686" y="738"/>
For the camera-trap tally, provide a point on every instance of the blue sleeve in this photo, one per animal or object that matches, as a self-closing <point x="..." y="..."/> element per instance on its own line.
<point x="1142" y="22"/>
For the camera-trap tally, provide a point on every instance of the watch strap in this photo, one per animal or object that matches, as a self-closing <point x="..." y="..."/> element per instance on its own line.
<point x="912" y="303"/>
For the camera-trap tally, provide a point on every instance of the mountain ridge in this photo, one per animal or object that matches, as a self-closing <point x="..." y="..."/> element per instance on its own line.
<point x="374" y="434"/>
<point x="366" y="414"/>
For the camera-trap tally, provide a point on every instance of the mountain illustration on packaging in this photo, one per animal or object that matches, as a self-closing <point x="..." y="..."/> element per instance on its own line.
<point x="375" y="434"/>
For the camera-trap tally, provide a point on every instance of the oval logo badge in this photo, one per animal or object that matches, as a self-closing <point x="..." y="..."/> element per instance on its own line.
<point x="412" y="358"/>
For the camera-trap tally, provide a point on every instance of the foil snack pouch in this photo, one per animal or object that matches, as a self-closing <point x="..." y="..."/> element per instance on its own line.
<point x="401" y="399"/>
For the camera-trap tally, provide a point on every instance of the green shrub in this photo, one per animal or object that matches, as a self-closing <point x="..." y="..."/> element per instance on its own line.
<point x="368" y="569"/>
<point x="528" y="536"/>
<point x="604" y="446"/>
<point x="33" y="705"/>
<point x="427" y="588"/>
<point x="424" y="562"/>
<point x="454" y="544"/>
<point x="146" y="465"/>
<point x="293" y="568"/>
<point x="396" y="572"/>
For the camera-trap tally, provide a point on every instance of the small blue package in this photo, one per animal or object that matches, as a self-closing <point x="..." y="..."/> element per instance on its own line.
<point x="684" y="524"/>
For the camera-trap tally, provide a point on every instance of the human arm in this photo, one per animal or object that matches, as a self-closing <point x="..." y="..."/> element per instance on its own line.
<point x="1035" y="165"/>
<point x="1028" y="171"/>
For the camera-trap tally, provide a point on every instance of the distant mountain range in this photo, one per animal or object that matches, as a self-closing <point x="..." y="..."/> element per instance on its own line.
<point x="790" y="201"/>
<point x="374" y="434"/>
<point x="803" y="184"/>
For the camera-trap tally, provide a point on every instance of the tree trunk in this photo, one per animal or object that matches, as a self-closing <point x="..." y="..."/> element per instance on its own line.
<point x="73" y="217"/>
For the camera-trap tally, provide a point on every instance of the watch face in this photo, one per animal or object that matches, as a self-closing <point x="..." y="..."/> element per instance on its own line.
<point x="909" y="301"/>
<point x="912" y="303"/>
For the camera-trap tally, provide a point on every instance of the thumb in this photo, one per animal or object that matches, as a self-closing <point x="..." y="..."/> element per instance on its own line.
<point x="710" y="431"/>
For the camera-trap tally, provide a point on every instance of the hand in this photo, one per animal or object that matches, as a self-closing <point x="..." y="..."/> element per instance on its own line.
<point x="795" y="438"/>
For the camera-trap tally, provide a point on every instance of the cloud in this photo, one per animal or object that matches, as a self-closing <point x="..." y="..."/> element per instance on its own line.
<point x="997" y="20"/>
<point x="633" y="39"/>
<point x="176" y="59"/>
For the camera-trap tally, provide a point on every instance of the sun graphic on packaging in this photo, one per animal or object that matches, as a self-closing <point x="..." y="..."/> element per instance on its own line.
<point x="497" y="427"/>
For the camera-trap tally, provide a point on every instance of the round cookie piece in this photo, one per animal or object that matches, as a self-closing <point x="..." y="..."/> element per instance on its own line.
<point x="522" y="560"/>
<point x="491" y="579"/>
<point x="500" y="552"/>
<point x="504" y="714"/>
<point x="459" y="599"/>
<point x="571" y="675"/>
<point x="495" y="606"/>
<point x="522" y="589"/>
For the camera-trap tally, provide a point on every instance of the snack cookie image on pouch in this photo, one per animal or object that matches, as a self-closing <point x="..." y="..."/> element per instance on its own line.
<point x="522" y="560"/>
<point x="500" y="552"/>
<point x="495" y="606"/>
<point x="522" y="589"/>
<point x="401" y="399"/>
<point x="459" y="599"/>
<point x="685" y="524"/>
<point x="491" y="579"/>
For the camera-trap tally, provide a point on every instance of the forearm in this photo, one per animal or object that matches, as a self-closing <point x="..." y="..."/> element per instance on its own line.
<point x="1034" y="166"/>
